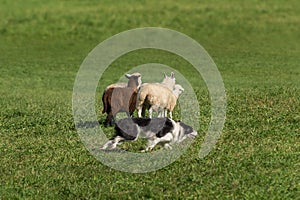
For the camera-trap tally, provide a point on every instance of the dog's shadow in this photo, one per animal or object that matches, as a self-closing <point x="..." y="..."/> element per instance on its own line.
<point x="93" y="124"/>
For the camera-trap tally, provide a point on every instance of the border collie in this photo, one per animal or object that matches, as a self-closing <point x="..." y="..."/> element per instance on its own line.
<point x="157" y="130"/>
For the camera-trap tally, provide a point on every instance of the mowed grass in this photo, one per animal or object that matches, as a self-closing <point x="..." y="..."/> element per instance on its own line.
<point x="255" y="46"/>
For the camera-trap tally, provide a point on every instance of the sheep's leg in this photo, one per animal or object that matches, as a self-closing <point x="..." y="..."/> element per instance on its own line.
<point x="106" y="122"/>
<point x="150" y="112"/>
<point x="171" y="116"/>
<point x="113" y="121"/>
<point x="140" y="112"/>
<point x="139" y="107"/>
<point x="160" y="112"/>
<point x="165" y="113"/>
<point x="156" y="108"/>
<point x="113" y="114"/>
<point x="109" y="119"/>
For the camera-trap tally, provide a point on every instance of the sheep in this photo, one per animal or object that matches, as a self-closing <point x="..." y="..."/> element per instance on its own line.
<point x="158" y="97"/>
<point x="118" y="99"/>
<point x="178" y="90"/>
<point x="106" y="105"/>
<point x="168" y="81"/>
<point x="162" y="112"/>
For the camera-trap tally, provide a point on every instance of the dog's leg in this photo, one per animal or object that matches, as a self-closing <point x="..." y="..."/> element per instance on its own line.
<point x="107" y="144"/>
<point x="167" y="146"/>
<point x="151" y="144"/>
<point x="117" y="140"/>
<point x="166" y="140"/>
<point x="112" y="144"/>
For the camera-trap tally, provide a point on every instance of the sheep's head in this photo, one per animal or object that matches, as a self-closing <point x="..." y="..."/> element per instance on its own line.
<point x="178" y="89"/>
<point x="135" y="79"/>
<point x="169" y="81"/>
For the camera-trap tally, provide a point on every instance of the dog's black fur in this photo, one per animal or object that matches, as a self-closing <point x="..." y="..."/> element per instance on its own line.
<point x="157" y="130"/>
<point x="128" y="127"/>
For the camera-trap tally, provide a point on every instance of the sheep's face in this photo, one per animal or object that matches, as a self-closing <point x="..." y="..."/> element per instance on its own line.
<point x="178" y="89"/>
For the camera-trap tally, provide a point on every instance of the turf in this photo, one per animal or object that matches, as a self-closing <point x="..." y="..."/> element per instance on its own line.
<point x="255" y="45"/>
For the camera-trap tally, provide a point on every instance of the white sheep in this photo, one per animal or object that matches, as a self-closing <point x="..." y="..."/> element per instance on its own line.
<point x="168" y="81"/>
<point x="158" y="97"/>
<point x="177" y="91"/>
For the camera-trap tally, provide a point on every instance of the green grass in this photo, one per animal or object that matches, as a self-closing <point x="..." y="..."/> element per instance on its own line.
<point x="255" y="46"/>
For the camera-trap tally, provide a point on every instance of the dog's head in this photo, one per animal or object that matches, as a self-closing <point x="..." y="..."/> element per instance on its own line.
<point x="183" y="131"/>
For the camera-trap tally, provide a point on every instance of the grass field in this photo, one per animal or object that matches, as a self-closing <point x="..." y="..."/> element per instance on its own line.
<point x="255" y="45"/>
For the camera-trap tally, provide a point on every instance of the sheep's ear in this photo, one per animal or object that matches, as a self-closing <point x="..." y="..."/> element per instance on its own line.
<point x="165" y="75"/>
<point x="127" y="76"/>
<point x="172" y="75"/>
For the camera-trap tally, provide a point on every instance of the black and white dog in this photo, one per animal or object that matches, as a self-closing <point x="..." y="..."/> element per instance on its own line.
<point x="157" y="130"/>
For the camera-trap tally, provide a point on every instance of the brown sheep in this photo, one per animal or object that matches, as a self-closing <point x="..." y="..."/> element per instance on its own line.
<point x="118" y="99"/>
